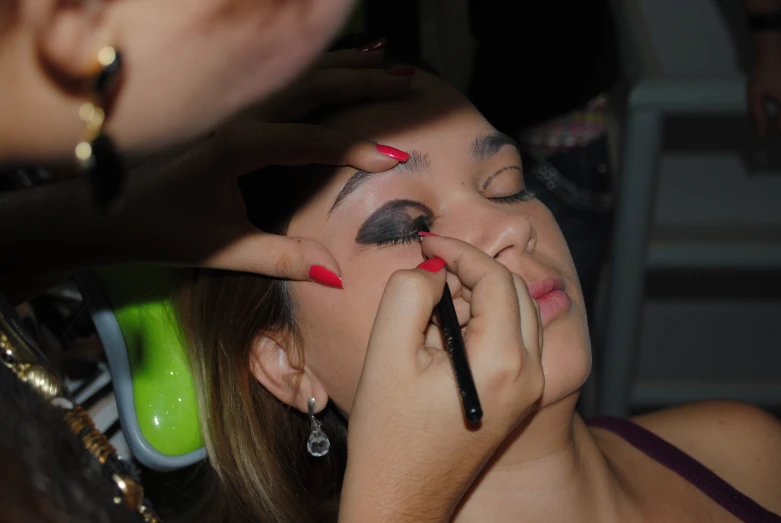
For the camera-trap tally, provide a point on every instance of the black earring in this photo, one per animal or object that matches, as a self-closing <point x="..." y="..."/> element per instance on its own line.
<point x="96" y="154"/>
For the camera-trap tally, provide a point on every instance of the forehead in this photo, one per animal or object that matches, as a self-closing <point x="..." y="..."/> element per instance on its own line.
<point x="435" y="119"/>
<point x="433" y="115"/>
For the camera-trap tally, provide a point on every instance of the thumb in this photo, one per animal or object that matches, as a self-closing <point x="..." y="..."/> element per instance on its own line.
<point x="402" y="318"/>
<point x="249" y="145"/>
<point x="280" y="257"/>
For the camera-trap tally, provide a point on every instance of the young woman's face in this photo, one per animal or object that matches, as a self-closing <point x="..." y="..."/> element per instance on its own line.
<point x="467" y="180"/>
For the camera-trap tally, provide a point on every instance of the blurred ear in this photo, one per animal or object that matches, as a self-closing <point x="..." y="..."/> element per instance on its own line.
<point x="274" y="365"/>
<point x="68" y="38"/>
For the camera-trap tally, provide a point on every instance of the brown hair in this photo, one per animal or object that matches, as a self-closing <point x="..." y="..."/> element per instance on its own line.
<point x="256" y="444"/>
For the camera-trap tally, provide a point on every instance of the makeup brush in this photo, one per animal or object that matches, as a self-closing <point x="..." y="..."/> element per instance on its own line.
<point x="454" y="342"/>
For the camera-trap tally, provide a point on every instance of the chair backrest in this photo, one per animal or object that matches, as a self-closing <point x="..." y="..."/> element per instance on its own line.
<point x="156" y="398"/>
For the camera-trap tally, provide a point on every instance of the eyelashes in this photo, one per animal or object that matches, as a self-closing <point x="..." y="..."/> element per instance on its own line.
<point x="524" y="195"/>
<point x="410" y="238"/>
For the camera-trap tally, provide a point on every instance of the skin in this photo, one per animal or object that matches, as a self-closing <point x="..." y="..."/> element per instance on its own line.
<point x="552" y="467"/>
<point x="177" y="55"/>
<point x="207" y="225"/>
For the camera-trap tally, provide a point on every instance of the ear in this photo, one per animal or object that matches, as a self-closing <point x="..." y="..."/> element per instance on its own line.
<point x="273" y="363"/>
<point x="70" y="35"/>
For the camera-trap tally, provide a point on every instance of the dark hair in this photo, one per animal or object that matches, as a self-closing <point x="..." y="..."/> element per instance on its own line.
<point x="47" y="474"/>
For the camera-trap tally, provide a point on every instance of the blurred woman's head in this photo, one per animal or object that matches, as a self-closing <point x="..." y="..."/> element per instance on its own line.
<point x="262" y="347"/>
<point x="214" y="55"/>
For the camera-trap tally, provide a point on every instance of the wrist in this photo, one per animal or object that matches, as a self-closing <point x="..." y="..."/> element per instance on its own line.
<point x="373" y="497"/>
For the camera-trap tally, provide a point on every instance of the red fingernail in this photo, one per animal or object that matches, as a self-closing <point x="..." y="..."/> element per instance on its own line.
<point x="432" y="264"/>
<point x="373" y="46"/>
<point x="403" y="70"/>
<point x="426" y="233"/>
<point x="325" y="277"/>
<point x="397" y="154"/>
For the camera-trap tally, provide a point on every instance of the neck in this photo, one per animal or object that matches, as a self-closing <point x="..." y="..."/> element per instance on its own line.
<point x="549" y="469"/>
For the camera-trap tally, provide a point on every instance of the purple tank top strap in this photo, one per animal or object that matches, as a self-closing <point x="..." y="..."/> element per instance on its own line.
<point x="737" y="503"/>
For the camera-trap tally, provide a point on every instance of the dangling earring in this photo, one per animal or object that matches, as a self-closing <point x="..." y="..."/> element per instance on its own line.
<point x="96" y="154"/>
<point x="318" y="444"/>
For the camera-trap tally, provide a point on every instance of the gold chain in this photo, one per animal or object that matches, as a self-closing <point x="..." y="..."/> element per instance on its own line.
<point x="14" y="353"/>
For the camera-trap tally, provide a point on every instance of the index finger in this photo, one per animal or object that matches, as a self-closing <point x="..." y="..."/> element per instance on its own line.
<point x="248" y="145"/>
<point x="471" y="265"/>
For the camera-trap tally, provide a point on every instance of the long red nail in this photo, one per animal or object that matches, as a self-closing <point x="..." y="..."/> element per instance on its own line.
<point x="403" y="70"/>
<point x="373" y="46"/>
<point x="426" y="233"/>
<point x="397" y="154"/>
<point x="432" y="264"/>
<point x="325" y="277"/>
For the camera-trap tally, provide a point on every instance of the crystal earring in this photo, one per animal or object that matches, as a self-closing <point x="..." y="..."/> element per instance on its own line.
<point x="318" y="444"/>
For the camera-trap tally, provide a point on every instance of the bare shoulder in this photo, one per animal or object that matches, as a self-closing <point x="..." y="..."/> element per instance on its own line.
<point x="739" y="442"/>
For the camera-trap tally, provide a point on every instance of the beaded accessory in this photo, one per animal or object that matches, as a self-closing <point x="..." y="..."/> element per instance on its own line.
<point x="22" y="358"/>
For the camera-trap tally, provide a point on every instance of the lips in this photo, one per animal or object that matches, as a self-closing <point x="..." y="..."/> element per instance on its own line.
<point x="543" y="287"/>
<point x="551" y="297"/>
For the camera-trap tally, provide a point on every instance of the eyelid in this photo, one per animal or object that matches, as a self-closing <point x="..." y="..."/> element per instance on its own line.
<point x="392" y="220"/>
<point x="487" y="182"/>
<point x="524" y="195"/>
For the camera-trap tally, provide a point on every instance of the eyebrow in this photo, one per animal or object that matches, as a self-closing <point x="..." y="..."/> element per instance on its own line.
<point x="488" y="145"/>
<point x="416" y="163"/>
<point x="483" y="147"/>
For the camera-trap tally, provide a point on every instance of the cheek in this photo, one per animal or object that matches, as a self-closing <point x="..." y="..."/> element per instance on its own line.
<point x="566" y="350"/>
<point x="566" y="357"/>
<point x="552" y="250"/>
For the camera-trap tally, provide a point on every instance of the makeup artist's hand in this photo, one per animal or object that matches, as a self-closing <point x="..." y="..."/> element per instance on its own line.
<point x="200" y="215"/>
<point x="188" y="210"/>
<point x="183" y="207"/>
<point x="411" y="455"/>
<point x="347" y="75"/>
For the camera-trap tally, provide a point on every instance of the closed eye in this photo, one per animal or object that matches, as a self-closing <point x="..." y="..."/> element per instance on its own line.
<point x="524" y="195"/>
<point x="410" y="238"/>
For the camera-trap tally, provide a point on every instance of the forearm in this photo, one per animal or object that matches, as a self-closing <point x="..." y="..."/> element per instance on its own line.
<point x="766" y="43"/>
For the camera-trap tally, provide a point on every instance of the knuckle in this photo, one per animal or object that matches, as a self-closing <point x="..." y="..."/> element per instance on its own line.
<point x="412" y="287"/>
<point x="286" y="264"/>
<point x="500" y="374"/>
<point x="500" y="275"/>
<point x="407" y="281"/>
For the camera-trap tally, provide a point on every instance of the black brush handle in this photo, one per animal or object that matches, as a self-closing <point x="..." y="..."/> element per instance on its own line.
<point x="448" y="321"/>
<point x="454" y="342"/>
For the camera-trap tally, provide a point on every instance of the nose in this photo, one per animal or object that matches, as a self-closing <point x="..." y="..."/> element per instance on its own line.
<point x="503" y="235"/>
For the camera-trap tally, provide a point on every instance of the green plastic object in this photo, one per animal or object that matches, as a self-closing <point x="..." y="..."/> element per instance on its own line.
<point x="163" y="389"/>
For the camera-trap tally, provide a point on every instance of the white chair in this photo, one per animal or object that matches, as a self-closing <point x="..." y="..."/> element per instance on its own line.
<point x="675" y="69"/>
